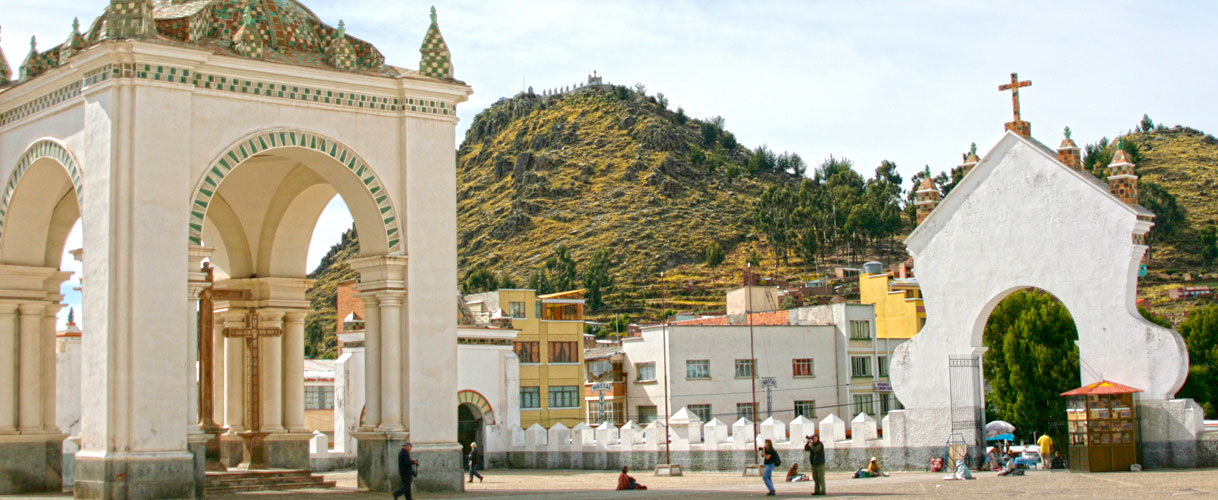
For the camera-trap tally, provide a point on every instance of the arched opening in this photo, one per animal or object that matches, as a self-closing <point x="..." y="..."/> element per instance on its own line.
<point x="470" y="429"/>
<point x="1031" y="357"/>
<point x="271" y="207"/>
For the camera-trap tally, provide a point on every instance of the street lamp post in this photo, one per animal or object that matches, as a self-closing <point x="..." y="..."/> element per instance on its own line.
<point x="748" y="308"/>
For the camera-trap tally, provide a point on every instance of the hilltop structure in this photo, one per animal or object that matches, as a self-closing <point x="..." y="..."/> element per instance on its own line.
<point x="179" y="131"/>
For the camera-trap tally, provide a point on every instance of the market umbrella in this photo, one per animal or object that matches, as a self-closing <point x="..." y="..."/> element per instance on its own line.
<point x="997" y="428"/>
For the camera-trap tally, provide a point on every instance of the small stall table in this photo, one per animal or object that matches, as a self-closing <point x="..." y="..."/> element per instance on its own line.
<point x="1103" y="426"/>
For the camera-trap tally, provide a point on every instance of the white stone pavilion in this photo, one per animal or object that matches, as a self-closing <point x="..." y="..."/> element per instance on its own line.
<point x="179" y="130"/>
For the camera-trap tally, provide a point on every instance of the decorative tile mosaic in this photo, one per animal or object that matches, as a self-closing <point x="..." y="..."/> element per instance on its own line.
<point x="436" y="61"/>
<point x="44" y="148"/>
<point x="129" y="19"/>
<point x="285" y="139"/>
<point x="226" y="84"/>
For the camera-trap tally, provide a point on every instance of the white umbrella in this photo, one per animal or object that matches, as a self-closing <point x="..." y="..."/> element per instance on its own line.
<point x="998" y="427"/>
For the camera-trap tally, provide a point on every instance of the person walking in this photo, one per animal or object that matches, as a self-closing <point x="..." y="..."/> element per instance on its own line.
<point x="475" y="460"/>
<point x="1046" y="450"/>
<point x="816" y="456"/>
<point x="771" y="461"/>
<point x="406" y="469"/>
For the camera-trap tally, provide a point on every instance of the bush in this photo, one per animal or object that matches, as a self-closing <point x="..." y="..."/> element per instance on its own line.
<point x="681" y="118"/>
<point x="714" y="254"/>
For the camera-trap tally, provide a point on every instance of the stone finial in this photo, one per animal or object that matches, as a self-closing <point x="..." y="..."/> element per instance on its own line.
<point x="247" y="41"/>
<point x="130" y="19"/>
<point x="6" y="74"/>
<point x="74" y="44"/>
<point x="1122" y="180"/>
<point x="436" y="61"/>
<point x="970" y="159"/>
<point x="34" y="63"/>
<point x="1068" y="152"/>
<point x="340" y="53"/>
<point x="926" y="198"/>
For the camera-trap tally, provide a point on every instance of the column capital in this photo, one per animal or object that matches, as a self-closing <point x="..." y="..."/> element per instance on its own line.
<point x="390" y="297"/>
<point x="7" y="307"/>
<point x="32" y="308"/>
<point x="293" y="317"/>
<point x="233" y="317"/>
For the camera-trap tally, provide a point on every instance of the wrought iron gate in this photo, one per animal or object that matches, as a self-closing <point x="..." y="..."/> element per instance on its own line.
<point x="967" y="408"/>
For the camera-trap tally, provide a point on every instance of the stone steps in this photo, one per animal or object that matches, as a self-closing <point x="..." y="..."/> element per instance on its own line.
<point x="243" y="481"/>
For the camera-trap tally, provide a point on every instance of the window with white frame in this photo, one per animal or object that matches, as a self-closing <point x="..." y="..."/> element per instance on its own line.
<point x="646" y="372"/>
<point x="319" y="397"/>
<point x="860" y="330"/>
<point x="697" y="369"/>
<point x="860" y="366"/>
<point x="744" y="368"/>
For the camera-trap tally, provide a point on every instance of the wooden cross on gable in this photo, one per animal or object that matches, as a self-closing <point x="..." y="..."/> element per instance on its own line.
<point x="1017" y="125"/>
<point x="252" y="333"/>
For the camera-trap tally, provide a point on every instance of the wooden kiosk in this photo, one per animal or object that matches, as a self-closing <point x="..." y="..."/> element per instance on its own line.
<point x="1103" y="427"/>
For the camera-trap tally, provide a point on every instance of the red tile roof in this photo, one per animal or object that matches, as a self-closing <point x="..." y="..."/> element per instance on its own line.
<point x="1102" y="387"/>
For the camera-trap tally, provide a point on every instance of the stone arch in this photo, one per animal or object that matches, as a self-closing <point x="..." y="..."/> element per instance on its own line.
<point x="40" y="149"/>
<point x="477" y="400"/>
<point x="284" y="139"/>
<point x="987" y="308"/>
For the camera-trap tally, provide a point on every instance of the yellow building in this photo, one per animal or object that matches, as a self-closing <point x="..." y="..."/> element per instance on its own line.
<point x="899" y="313"/>
<point x="550" y="346"/>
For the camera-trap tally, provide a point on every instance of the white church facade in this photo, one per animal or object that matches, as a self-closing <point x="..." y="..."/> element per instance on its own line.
<point x="219" y="129"/>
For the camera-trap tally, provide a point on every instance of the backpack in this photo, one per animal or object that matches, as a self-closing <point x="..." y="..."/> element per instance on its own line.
<point x="777" y="459"/>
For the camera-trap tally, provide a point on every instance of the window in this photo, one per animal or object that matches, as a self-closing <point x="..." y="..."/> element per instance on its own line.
<point x="614" y="413"/>
<point x="744" y="368"/>
<point x="806" y="409"/>
<point x="744" y="410"/>
<point x="860" y="366"/>
<point x="564" y="396"/>
<point x="646" y="372"/>
<point x="860" y="330"/>
<point x="702" y="411"/>
<point x="697" y="368"/>
<point x="563" y="352"/>
<point x="599" y="370"/>
<point x="882" y="366"/>
<point x="886" y="401"/>
<point x="863" y="404"/>
<point x="801" y="367"/>
<point x="517" y="310"/>
<point x="530" y="397"/>
<point x="319" y="397"/>
<point x="528" y="352"/>
<point x="647" y="414"/>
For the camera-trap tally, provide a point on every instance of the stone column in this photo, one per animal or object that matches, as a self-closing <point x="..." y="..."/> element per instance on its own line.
<point x="30" y="379"/>
<point x="47" y="343"/>
<point x="8" y="367"/>
<point x="234" y="373"/>
<point x="219" y="351"/>
<point x="372" y="360"/>
<point x="293" y="371"/>
<point x="272" y="373"/>
<point x="392" y="365"/>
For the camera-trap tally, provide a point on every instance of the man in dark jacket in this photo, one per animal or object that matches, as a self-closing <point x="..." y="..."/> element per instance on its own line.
<point x="406" y="470"/>
<point x="816" y="455"/>
<point x="475" y="461"/>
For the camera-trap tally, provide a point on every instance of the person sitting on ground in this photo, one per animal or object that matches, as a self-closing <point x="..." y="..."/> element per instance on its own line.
<point x="793" y="475"/>
<point x="625" y="482"/>
<point x="961" y="473"/>
<point x="1011" y="468"/>
<point x="871" y="470"/>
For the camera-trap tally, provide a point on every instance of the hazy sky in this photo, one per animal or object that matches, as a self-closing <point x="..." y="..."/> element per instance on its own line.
<point x="911" y="82"/>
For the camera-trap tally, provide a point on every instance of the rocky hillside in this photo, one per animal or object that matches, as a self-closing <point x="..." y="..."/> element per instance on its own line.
<point x="596" y="168"/>
<point x="320" y="341"/>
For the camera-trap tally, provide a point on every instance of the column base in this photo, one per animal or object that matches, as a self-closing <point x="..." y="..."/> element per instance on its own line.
<point x="31" y="463"/>
<point x="231" y="451"/>
<point x="122" y="476"/>
<point x="439" y="463"/>
<point x="196" y="443"/>
<point x="288" y="451"/>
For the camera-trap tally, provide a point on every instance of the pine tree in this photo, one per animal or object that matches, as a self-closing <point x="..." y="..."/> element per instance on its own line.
<point x="597" y="280"/>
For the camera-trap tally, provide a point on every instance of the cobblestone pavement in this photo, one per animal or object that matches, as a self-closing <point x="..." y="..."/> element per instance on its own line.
<point x="524" y="484"/>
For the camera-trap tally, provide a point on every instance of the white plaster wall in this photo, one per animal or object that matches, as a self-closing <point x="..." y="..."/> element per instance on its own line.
<point x="348" y="398"/>
<point x="1021" y="219"/>
<point x="480" y="368"/>
<point x="775" y="347"/>
<point x="67" y="389"/>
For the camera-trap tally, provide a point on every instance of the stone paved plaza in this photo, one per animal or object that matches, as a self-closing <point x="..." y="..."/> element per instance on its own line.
<point x="522" y="484"/>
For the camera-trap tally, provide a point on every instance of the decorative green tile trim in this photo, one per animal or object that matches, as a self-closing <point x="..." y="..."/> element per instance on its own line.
<point x="43" y="148"/>
<point x="226" y="84"/>
<point x="290" y="138"/>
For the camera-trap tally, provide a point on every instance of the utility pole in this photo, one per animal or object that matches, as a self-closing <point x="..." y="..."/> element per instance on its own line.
<point x="667" y="371"/>
<point x="748" y="308"/>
